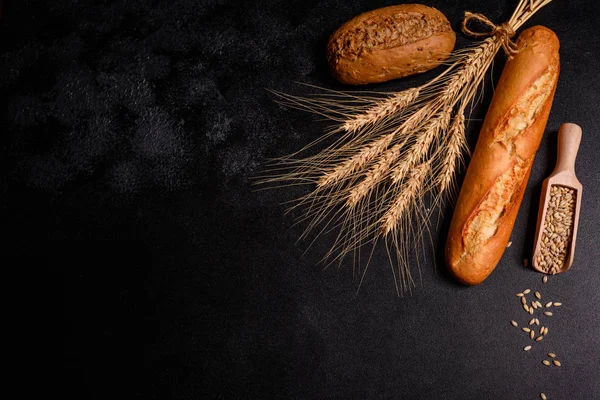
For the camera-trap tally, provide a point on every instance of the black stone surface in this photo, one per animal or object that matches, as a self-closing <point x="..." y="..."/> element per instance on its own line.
<point x="130" y="133"/>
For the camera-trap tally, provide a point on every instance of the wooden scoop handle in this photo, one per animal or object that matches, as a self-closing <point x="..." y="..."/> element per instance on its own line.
<point x="569" y="137"/>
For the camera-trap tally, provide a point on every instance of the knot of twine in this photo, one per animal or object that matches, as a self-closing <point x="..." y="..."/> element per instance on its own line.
<point x="503" y="32"/>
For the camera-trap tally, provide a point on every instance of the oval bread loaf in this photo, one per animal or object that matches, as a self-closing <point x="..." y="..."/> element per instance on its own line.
<point x="497" y="175"/>
<point x="389" y="43"/>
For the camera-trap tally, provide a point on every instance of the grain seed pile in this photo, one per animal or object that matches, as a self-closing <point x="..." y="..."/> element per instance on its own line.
<point x="558" y="228"/>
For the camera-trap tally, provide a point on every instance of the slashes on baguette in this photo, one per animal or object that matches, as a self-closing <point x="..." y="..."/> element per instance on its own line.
<point x="497" y="175"/>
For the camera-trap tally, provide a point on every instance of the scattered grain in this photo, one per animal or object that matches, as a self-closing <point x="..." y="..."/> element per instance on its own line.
<point x="546" y="362"/>
<point x="549" y="304"/>
<point x="527" y="348"/>
<point x="547" y="313"/>
<point x="551" y="355"/>
<point x="545" y="279"/>
<point x="556" y="362"/>
<point x="526" y="291"/>
<point x="557" y="304"/>
<point x="537" y="295"/>
<point x="514" y="323"/>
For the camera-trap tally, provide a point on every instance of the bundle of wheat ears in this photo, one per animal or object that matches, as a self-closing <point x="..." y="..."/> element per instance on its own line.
<point x="395" y="156"/>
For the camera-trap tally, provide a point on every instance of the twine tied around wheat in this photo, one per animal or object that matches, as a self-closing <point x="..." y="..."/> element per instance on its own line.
<point x="391" y="152"/>
<point x="503" y="32"/>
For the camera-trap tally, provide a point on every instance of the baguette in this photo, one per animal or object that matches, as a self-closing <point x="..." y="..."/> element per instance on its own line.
<point x="497" y="175"/>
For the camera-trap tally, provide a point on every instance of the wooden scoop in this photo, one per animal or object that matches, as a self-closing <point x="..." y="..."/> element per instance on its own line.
<point x="560" y="203"/>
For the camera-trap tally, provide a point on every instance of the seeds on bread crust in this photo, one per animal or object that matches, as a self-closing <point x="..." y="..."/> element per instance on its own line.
<point x="389" y="43"/>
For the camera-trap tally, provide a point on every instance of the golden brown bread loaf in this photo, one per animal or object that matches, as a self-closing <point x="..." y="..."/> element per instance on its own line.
<point x="493" y="188"/>
<point x="389" y="43"/>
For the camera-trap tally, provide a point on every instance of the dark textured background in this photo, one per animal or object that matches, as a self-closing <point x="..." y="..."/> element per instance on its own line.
<point x="130" y="133"/>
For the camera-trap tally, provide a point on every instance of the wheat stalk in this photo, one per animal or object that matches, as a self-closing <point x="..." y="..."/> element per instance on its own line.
<point x="395" y="151"/>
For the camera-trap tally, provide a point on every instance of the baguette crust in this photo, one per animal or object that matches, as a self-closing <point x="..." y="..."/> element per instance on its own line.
<point x="389" y="43"/>
<point x="497" y="176"/>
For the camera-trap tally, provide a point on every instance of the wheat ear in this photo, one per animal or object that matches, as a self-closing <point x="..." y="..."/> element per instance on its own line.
<point x="374" y="176"/>
<point x="381" y="110"/>
<point x="421" y="147"/>
<point x="456" y="144"/>
<point x="357" y="161"/>
<point x="381" y="169"/>
<point x="409" y="191"/>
